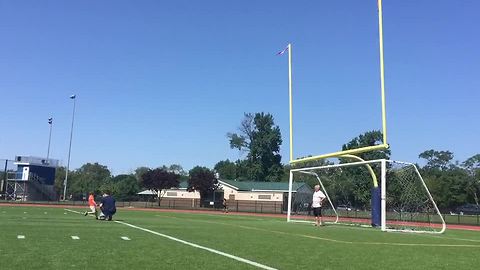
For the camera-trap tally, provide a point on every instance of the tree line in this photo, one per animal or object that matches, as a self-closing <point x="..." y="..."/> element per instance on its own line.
<point x="452" y="183"/>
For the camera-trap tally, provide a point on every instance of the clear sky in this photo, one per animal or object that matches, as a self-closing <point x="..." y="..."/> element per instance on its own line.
<point x="161" y="82"/>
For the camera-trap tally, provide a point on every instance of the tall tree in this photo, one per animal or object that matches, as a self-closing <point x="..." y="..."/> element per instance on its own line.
<point x="88" y="178"/>
<point x="437" y="159"/>
<point x="159" y="180"/>
<point x="472" y="165"/>
<point x="139" y="172"/>
<point x="125" y="187"/>
<point x="369" y="138"/>
<point x="203" y="180"/>
<point x="226" y="169"/>
<point x="261" y="139"/>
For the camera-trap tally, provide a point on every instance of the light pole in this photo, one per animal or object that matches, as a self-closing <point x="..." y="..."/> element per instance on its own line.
<point x="69" y="150"/>
<point x="50" y="122"/>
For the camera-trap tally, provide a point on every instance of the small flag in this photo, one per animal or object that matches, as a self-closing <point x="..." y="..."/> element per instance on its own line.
<point x="73" y="96"/>
<point x="282" y="52"/>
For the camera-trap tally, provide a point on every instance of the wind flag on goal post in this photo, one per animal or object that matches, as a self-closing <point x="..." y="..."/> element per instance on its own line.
<point x="284" y="50"/>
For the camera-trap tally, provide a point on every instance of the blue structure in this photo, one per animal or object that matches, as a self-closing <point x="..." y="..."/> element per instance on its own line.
<point x="376" y="207"/>
<point x="33" y="180"/>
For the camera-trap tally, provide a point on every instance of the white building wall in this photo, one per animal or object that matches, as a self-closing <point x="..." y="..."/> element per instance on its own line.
<point x="268" y="196"/>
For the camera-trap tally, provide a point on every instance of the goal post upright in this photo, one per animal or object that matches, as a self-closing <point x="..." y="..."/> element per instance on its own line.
<point x="383" y="194"/>
<point x="382" y="71"/>
<point x="290" y="190"/>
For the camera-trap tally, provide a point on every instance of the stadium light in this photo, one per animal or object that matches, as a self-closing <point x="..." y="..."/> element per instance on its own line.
<point x="69" y="149"/>
<point x="50" y="122"/>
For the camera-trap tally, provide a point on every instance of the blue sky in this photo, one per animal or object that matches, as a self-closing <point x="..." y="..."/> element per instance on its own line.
<point x="161" y="82"/>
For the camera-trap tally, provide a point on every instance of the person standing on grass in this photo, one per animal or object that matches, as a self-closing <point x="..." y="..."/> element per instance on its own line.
<point x="107" y="205"/>
<point x="225" y="206"/>
<point x="92" y="205"/>
<point x="317" y="200"/>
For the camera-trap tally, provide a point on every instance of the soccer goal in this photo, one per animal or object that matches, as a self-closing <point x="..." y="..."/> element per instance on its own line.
<point x="391" y="195"/>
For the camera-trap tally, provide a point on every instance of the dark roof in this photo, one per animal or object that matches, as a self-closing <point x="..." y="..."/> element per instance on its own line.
<point x="260" y="186"/>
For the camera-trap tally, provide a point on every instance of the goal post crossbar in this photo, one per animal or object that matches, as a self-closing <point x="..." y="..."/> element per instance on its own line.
<point x="341" y="153"/>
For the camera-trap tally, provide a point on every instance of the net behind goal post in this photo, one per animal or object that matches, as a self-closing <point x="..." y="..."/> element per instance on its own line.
<point x="392" y="196"/>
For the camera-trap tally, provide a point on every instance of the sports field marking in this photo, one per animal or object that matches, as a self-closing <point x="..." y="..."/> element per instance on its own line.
<point x="200" y="247"/>
<point x="125" y="238"/>
<point x="333" y="240"/>
<point x="259" y="265"/>
<point x="20" y="236"/>
<point x="74" y="237"/>
<point x="73" y="211"/>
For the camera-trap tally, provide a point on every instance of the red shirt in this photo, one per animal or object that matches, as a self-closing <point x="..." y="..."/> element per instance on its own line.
<point x="91" y="201"/>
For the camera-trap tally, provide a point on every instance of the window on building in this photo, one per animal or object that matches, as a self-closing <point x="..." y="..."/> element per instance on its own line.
<point x="171" y="194"/>
<point x="264" y="197"/>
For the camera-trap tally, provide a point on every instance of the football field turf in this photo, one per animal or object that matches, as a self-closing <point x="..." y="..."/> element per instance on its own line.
<point x="55" y="238"/>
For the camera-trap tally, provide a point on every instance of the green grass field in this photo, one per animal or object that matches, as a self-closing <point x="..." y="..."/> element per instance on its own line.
<point x="271" y="242"/>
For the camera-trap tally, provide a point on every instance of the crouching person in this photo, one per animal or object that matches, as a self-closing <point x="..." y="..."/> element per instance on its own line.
<point x="107" y="206"/>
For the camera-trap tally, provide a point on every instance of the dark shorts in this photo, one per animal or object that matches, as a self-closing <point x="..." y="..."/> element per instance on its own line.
<point x="317" y="211"/>
<point x="109" y="212"/>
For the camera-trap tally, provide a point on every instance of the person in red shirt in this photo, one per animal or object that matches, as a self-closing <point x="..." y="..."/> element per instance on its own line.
<point x="93" y="206"/>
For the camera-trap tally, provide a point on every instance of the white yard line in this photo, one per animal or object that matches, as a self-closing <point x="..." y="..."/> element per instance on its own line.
<point x="125" y="238"/>
<point x="74" y="237"/>
<point x="20" y="236"/>
<point x="73" y="211"/>
<point x="200" y="247"/>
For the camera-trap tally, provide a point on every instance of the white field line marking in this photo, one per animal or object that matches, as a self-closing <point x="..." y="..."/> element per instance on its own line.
<point x="200" y="247"/>
<point x="125" y="238"/>
<point x="332" y="240"/>
<point x="20" y="236"/>
<point x="74" y="237"/>
<point x="73" y="211"/>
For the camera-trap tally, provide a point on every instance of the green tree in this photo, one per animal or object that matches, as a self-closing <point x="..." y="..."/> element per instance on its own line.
<point x="226" y="169"/>
<point x="472" y="165"/>
<point x="437" y="159"/>
<point x="203" y="180"/>
<point x="158" y="180"/>
<point x="59" y="180"/>
<point x="89" y="177"/>
<point x="261" y="139"/>
<point x="125" y="187"/>
<point x="369" y="138"/>
<point x="139" y="172"/>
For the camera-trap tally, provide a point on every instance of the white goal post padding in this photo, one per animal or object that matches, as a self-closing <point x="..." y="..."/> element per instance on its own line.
<point x="405" y="203"/>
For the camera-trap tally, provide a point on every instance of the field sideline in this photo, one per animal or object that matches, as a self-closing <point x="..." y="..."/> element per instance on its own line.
<point x="54" y="238"/>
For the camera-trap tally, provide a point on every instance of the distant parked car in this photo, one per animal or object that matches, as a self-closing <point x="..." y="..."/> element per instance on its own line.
<point x="344" y="207"/>
<point x="468" y="209"/>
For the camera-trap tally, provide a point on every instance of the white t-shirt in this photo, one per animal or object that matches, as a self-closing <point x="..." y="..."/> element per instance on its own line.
<point x="318" y="196"/>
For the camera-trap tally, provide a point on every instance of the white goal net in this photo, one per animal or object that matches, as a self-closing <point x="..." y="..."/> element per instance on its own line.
<point x="389" y="194"/>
